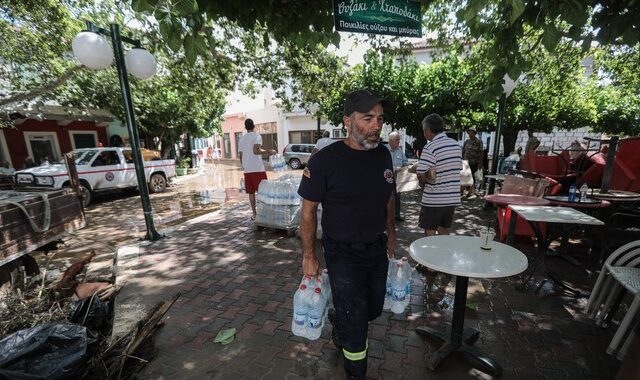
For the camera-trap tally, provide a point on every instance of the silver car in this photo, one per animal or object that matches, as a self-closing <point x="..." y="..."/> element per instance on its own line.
<point x="297" y="155"/>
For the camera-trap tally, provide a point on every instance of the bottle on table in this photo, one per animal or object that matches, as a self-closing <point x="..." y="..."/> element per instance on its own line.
<point x="584" y="189"/>
<point x="572" y="193"/>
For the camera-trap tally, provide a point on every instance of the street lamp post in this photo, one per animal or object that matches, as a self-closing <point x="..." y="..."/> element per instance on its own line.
<point x="508" y="86"/>
<point x="94" y="52"/>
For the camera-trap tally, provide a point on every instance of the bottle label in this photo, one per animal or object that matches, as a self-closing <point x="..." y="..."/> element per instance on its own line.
<point x="315" y="323"/>
<point x="299" y="319"/>
<point x="399" y="295"/>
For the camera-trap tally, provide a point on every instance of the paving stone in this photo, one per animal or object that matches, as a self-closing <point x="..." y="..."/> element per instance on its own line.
<point x="246" y="279"/>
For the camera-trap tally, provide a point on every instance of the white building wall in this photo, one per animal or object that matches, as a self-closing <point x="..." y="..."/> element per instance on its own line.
<point x="558" y="139"/>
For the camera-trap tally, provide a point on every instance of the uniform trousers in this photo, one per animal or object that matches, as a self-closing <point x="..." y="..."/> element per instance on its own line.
<point x="358" y="278"/>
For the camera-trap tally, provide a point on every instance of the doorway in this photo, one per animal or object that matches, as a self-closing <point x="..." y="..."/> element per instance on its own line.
<point x="42" y="146"/>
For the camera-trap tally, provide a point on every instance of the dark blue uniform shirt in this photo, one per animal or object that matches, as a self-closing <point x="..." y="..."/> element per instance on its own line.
<point x="354" y="187"/>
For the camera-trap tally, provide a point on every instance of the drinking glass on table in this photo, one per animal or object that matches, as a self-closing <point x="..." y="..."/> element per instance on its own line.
<point x="486" y="237"/>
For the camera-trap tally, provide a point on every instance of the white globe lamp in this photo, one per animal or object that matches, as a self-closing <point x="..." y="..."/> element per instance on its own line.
<point x="92" y="50"/>
<point x="140" y="63"/>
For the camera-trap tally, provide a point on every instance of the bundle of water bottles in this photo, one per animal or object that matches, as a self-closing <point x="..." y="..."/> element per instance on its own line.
<point x="310" y="306"/>
<point x="278" y="203"/>
<point x="278" y="163"/>
<point x="398" y="285"/>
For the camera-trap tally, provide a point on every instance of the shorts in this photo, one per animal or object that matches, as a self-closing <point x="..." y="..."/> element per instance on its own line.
<point x="252" y="181"/>
<point x="433" y="217"/>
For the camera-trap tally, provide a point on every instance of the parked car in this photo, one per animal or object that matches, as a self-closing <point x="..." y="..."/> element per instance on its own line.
<point x="100" y="169"/>
<point x="297" y="155"/>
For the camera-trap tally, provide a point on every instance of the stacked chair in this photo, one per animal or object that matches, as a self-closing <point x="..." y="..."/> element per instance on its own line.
<point x="620" y="274"/>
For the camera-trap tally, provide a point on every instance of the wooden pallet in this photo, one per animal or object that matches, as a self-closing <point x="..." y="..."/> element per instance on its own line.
<point x="18" y="237"/>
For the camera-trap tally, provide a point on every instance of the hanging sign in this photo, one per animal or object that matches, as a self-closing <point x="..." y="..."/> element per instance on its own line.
<point x="390" y="17"/>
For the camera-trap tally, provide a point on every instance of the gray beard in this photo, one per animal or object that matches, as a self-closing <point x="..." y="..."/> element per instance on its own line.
<point x="361" y="140"/>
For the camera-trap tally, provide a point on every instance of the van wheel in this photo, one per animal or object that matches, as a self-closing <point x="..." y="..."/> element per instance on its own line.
<point x="85" y="195"/>
<point x="294" y="164"/>
<point x="157" y="183"/>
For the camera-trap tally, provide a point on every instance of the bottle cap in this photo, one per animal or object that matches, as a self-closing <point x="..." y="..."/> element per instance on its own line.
<point x="318" y="290"/>
<point x="303" y="287"/>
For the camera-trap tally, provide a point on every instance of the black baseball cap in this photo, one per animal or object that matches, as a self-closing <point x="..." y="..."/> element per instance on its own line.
<point x="362" y="101"/>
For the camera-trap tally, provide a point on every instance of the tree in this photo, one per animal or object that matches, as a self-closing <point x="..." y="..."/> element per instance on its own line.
<point x="35" y="35"/>
<point x="615" y="90"/>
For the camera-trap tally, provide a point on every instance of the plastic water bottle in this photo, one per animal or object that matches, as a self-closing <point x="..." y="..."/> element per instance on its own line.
<point x="572" y="193"/>
<point x="584" y="189"/>
<point x="315" y="319"/>
<point x="242" y="188"/>
<point x="398" y="289"/>
<point x="326" y="286"/>
<point x="387" y="297"/>
<point x="408" y="286"/>
<point x="300" y="311"/>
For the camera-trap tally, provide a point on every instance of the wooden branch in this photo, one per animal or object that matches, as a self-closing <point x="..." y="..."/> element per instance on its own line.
<point x="35" y="92"/>
<point x="145" y="328"/>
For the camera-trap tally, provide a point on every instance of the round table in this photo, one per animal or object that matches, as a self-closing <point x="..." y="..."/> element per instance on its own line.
<point x="504" y="200"/>
<point x="462" y="256"/>
<point x="616" y="195"/>
<point x="563" y="200"/>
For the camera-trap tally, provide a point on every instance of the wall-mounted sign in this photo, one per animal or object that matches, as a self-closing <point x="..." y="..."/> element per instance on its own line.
<point x="391" y="17"/>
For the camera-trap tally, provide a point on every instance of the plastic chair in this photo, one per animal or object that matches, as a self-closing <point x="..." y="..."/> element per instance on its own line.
<point x="623" y="256"/>
<point x="629" y="278"/>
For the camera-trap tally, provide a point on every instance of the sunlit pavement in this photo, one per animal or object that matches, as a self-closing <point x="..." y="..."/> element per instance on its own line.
<point x="115" y="218"/>
<point x="231" y="275"/>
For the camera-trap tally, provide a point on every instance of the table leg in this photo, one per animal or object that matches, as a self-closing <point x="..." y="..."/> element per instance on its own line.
<point x="460" y="339"/>
<point x="513" y="218"/>
<point x="541" y="262"/>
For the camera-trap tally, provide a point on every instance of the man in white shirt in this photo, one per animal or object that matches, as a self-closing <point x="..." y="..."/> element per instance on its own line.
<point x="250" y="150"/>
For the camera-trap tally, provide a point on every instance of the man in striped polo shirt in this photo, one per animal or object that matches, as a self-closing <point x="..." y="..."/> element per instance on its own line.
<point x="439" y="170"/>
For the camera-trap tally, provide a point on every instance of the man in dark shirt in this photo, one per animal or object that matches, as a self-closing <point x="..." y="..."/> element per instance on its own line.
<point x="353" y="179"/>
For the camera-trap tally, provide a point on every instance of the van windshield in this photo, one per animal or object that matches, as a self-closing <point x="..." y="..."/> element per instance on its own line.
<point x="83" y="157"/>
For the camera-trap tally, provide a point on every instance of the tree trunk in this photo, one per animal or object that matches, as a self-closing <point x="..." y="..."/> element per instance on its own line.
<point x="165" y="148"/>
<point x="509" y="137"/>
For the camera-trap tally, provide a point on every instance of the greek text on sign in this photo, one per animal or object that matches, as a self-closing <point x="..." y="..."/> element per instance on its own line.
<point x="391" y="17"/>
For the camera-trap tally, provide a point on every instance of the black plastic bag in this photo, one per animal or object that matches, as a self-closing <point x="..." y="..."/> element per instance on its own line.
<point x="51" y="351"/>
<point x="92" y="313"/>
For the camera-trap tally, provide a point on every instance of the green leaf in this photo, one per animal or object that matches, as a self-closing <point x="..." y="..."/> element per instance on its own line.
<point x="186" y="7"/>
<point x="166" y="28"/>
<point x="174" y="40"/>
<point x="517" y="8"/>
<point x="201" y="45"/>
<point x="190" y="49"/>
<point x="551" y="37"/>
<point x="141" y="6"/>
<point x="575" y="12"/>
<point x="225" y="336"/>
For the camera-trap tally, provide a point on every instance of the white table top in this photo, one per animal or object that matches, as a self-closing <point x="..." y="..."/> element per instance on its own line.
<point x="462" y="256"/>
<point x="555" y="214"/>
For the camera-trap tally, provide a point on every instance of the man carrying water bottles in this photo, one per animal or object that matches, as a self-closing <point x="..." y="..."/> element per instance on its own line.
<point x="353" y="179"/>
